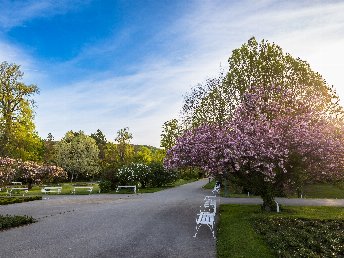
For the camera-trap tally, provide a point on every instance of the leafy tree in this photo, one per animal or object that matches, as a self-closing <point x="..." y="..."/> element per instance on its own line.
<point x="101" y="141"/>
<point x="256" y="64"/>
<point x="143" y="155"/>
<point x="171" y="130"/>
<point x="17" y="131"/>
<point x="49" y="149"/>
<point x="158" y="155"/>
<point x="124" y="148"/>
<point x="77" y="153"/>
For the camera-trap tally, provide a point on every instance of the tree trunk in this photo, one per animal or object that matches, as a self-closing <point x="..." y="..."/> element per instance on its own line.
<point x="269" y="203"/>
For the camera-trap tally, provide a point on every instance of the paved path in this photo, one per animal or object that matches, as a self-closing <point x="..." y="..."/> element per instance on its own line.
<point x="160" y="224"/>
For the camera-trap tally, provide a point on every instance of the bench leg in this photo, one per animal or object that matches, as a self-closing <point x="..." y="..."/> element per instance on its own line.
<point x="197" y="228"/>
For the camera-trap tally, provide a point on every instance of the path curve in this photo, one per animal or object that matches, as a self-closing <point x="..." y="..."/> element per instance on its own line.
<point x="160" y="224"/>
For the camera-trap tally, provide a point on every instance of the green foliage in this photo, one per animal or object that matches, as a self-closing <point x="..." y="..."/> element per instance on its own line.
<point x="17" y="131"/>
<point x="105" y="186"/>
<point x="9" y="221"/>
<point x="143" y="155"/>
<point x="266" y="64"/>
<point x="171" y="130"/>
<point x="295" y="237"/>
<point x="125" y="151"/>
<point x="101" y="141"/>
<point x="78" y="153"/>
<point x="49" y="150"/>
<point x="160" y="176"/>
<point x="11" y="200"/>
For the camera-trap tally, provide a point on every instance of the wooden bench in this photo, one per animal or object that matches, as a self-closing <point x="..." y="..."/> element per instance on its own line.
<point x="51" y="189"/>
<point x="88" y="188"/>
<point x="205" y="218"/>
<point x="15" y="189"/>
<point x="126" y="186"/>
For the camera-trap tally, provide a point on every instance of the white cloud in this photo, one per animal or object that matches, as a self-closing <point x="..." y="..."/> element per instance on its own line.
<point x="195" y="44"/>
<point x="16" y="13"/>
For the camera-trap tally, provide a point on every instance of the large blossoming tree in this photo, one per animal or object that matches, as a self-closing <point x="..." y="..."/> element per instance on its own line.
<point x="269" y="144"/>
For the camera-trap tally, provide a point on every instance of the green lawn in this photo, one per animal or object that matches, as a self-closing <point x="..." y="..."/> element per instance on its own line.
<point x="324" y="190"/>
<point x="238" y="227"/>
<point x="331" y="191"/>
<point x="67" y="188"/>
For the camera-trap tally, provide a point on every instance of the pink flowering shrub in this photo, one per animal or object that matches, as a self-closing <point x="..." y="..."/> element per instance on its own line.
<point x="7" y="170"/>
<point x="28" y="171"/>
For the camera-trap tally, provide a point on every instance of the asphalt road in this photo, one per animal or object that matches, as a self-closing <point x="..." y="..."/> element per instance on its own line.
<point x="160" y="224"/>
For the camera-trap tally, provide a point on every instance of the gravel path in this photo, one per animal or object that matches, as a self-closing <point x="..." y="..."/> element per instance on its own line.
<point x="160" y="224"/>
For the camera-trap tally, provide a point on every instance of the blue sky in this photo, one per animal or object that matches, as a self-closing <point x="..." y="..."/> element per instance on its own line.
<point x="112" y="64"/>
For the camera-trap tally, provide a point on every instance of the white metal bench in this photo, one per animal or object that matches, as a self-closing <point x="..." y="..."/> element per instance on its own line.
<point x="216" y="189"/>
<point x="15" y="189"/>
<point x="16" y="183"/>
<point x="205" y="218"/>
<point x="126" y="186"/>
<point x="88" y="188"/>
<point x="210" y="202"/>
<point x="51" y="189"/>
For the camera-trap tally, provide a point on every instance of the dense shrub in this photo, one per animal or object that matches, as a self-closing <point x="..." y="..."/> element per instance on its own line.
<point x="9" y="221"/>
<point x="295" y="237"/>
<point x="105" y="186"/>
<point x="11" y="200"/>
<point x="161" y="176"/>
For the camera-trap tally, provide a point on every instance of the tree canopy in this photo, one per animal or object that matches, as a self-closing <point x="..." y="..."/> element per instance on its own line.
<point x="77" y="153"/>
<point x="256" y="64"/>
<point x="17" y="130"/>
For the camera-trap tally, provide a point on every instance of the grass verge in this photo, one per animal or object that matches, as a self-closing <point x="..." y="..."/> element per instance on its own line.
<point x="324" y="190"/>
<point x="245" y="231"/>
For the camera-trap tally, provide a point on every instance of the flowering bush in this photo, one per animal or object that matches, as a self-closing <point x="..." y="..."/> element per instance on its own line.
<point x="134" y="173"/>
<point x="153" y="175"/>
<point x="7" y="170"/>
<point x="28" y="171"/>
